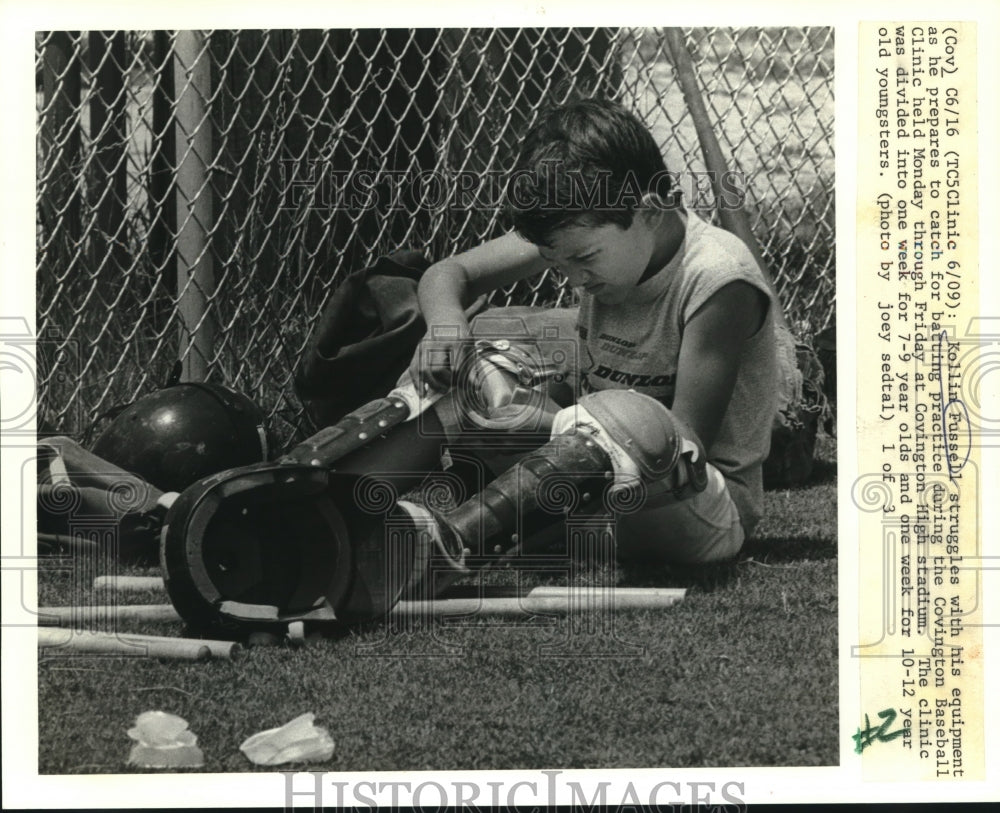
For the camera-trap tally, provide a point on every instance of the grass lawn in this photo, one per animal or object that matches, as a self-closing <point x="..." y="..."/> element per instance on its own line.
<point x="743" y="671"/>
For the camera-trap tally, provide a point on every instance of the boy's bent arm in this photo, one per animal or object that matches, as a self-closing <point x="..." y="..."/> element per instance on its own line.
<point x="448" y="287"/>
<point x="453" y="283"/>
<point x="710" y="356"/>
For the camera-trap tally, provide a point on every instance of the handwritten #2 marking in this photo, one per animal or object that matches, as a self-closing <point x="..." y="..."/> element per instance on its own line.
<point x="868" y="735"/>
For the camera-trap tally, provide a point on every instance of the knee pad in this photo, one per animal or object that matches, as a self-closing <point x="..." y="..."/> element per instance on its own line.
<point x="643" y="438"/>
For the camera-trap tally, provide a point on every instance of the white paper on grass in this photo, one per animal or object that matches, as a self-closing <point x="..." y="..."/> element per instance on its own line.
<point x="164" y="741"/>
<point x="296" y="741"/>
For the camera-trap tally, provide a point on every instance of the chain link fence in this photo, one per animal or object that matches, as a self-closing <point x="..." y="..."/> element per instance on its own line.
<point x="201" y="194"/>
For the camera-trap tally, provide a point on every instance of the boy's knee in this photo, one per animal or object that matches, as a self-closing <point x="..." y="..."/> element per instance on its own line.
<point x="643" y="439"/>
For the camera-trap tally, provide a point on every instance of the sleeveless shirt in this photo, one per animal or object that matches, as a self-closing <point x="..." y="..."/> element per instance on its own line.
<point x="636" y="345"/>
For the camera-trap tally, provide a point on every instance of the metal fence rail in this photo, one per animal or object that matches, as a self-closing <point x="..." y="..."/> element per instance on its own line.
<point x="200" y="194"/>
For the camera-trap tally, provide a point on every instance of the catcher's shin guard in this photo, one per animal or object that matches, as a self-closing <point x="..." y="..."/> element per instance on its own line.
<point x="645" y="441"/>
<point x="525" y="499"/>
<point x="352" y="432"/>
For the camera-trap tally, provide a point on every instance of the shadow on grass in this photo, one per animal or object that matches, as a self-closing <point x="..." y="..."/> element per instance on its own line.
<point x="718" y="575"/>
<point x="789" y="549"/>
<point x="518" y="576"/>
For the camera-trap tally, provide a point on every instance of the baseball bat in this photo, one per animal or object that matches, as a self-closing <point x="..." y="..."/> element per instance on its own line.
<point x="228" y="650"/>
<point x="552" y="599"/>
<point x="100" y="614"/>
<point x="563" y="602"/>
<point x="127" y="584"/>
<point x="108" y="643"/>
<point x="633" y="594"/>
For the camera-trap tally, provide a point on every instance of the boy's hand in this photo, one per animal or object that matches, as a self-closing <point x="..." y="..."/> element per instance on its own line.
<point x="451" y="286"/>
<point x="439" y="355"/>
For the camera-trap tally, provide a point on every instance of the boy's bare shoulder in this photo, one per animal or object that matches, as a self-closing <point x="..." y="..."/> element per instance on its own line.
<point x="735" y="311"/>
<point x="714" y="245"/>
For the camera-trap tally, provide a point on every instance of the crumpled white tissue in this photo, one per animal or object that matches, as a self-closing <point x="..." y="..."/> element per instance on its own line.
<point x="164" y="741"/>
<point x="296" y="741"/>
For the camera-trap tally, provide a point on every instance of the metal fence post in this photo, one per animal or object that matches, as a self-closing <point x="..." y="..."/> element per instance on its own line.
<point x="59" y="204"/>
<point x="195" y="271"/>
<point x="108" y="127"/>
<point x="734" y="220"/>
<point x="162" y="208"/>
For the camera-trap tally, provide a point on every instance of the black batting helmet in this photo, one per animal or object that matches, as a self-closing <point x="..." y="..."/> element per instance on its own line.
<point x="179" y="434"/>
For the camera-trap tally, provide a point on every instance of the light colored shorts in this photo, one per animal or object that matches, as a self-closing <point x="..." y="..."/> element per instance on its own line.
<point x="702" y="528"/>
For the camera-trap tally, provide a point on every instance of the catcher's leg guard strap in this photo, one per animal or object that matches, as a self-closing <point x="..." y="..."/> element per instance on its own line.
<point x="643" y="438"/>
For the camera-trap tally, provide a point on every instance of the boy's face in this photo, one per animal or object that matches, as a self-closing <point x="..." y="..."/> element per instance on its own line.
<point x="606" y="260"/>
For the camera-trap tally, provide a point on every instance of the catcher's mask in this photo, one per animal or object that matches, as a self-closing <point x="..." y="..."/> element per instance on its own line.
<point x="265" y="545"/>
<point x="176" y="435"/>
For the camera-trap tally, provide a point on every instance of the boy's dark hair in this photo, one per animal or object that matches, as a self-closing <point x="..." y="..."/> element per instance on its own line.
<point x="589" y="161"/>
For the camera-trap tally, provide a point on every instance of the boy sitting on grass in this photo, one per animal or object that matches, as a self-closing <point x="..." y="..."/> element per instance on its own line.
<point x="671" y="371"/>
<point x="675" y="327"/>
